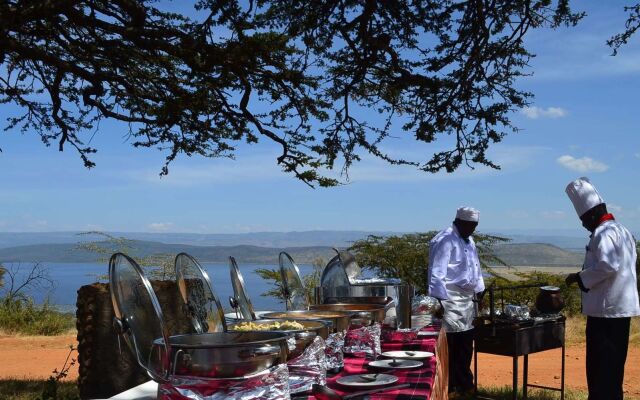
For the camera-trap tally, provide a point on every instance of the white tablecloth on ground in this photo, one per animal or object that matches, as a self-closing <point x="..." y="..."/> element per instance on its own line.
<point x="146" y="391"/>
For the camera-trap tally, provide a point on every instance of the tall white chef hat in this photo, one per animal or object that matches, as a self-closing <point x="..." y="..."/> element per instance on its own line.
<point x="583" y="195"/>
<point x="468" y="214"/>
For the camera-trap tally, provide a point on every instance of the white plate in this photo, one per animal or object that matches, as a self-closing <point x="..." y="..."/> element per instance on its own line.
<point x="399" y="364"/>
<point x="358" y="381"/>
<point x="428" y="333"/>
<point x="408" y="355"/>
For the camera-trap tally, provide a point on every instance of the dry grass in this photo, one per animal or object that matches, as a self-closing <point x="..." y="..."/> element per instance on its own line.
<point x="17" y="389"/>
<point x="575" y="331"/>
<point x="505" y="393"/>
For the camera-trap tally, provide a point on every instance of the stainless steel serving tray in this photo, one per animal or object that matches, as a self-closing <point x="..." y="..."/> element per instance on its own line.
<point x="339" y="320"/>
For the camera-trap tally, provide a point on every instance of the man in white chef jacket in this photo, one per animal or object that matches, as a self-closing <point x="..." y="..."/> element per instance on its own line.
<point x="609" y="292"/>
<point x="454" y="278"/>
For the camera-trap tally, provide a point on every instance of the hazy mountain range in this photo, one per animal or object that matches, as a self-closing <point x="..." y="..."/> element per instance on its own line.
<point x="263" y="239"/>
<point x="569" y="239"/>
<point x="261" y="248"/>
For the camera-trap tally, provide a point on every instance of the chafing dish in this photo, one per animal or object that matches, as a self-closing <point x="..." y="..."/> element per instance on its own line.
<point x="303" y="337"/>
<point x="375" y="312"/>
<point x="342" y="278"/>
<point x="221" y="354"/>
<point x="379" y="300"/>
<point x="139" y="320"/>
<point x="339" y="320"/>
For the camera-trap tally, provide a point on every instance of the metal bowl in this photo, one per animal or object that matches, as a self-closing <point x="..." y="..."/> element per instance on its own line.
<point x="220" y="354"/>
<point x="339" y="319"/>
<point x="303" y="337"/>
<point x="377" y="312"/>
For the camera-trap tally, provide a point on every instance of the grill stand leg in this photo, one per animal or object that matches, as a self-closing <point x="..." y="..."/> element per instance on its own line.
<point x="562" y="375"/>
<point x="515" y="378"/>
<point x="525" y="376"/>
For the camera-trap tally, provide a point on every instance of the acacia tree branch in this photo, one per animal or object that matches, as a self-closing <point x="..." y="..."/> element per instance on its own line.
<point x="304" y="75"/>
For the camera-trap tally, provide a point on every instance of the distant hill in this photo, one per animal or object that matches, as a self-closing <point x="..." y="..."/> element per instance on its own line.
<point x="245" y="254"/>
<point x="516" y="254"/>
<point x="537" y="254"/>
<point x="574" y="243"/>
<point x="261" y="239"/>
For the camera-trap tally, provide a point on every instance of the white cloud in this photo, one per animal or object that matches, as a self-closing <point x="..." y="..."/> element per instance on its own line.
<point x="577" y="54"/>
<point x="614" y="208"/>
<point x="553" y="214"/>
<point x="94" y="227"/>
<point x="38" y="225"/>
<point x="540" y="112"/>
<point x="584" y="164"/>
<point x="517" y="214"/>
<point x="219" y="171"/>
<point x="509" y="158"/>
<point x="160" y="226"/>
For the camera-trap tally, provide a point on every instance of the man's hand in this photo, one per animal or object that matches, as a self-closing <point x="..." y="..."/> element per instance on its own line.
<point x="571" y="279"/>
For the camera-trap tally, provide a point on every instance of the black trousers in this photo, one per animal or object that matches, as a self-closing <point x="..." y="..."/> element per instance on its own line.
<point x="607" y="343"/>
<point x="460" y="345"/>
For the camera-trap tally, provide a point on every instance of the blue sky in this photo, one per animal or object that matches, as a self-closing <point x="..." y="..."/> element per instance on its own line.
<point x="584" y="120"/>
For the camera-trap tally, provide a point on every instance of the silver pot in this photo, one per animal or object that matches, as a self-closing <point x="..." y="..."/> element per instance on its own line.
<point x="339" y="320"/>
<point x="303" y="337"/>
<point x="375" y="312"/>
<point x="220" y="354"/>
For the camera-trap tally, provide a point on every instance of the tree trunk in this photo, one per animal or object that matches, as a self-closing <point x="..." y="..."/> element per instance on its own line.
<point x="104" y="370"/>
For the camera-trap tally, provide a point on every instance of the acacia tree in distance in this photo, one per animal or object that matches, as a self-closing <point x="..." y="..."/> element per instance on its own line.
<point x="304" y="75"/>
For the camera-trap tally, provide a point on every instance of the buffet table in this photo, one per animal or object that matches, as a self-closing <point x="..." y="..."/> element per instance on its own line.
<point x="427" y="382"/>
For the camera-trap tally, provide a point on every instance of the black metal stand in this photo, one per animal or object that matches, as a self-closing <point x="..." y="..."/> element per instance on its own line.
<point x="520" y="342"/>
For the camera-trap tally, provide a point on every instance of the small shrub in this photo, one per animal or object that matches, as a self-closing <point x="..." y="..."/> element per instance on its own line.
<point x="20" y="315"/>
<point x="53" y="389"/>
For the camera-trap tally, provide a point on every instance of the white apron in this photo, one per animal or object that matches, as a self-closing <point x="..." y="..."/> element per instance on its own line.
<point x="459" y="309"/>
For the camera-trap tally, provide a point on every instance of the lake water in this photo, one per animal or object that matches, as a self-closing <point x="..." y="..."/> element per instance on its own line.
<point x="68" y="277"/>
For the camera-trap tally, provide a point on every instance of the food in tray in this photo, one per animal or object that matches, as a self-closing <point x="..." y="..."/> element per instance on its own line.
<point x="311" y="315"/>
<point x="273" y="326"/>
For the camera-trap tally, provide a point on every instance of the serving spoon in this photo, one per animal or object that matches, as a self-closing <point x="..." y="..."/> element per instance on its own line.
<point x="324" y="393"/>
<point x="369" y="377"/>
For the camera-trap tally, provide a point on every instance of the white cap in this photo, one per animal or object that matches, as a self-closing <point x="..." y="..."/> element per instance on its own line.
<point x="468" y="214"/>
<point x="583" y="195"/>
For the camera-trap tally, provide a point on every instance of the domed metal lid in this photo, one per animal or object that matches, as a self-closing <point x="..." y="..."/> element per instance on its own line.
<point x="241" y="300"/>
<point x="334" y="274"/>
<point x="138" y="316"/>
<point x="292" y="286"/>
<point x="198" y="295"/>
<point x="350" y="265"/>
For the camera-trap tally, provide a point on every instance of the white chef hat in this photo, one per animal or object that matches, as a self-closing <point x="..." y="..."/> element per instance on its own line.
<point x="468" y="214"/>
<point x="583" y="195"/>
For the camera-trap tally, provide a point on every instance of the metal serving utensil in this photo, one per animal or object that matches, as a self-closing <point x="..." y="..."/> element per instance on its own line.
<point x="369" y="377"/>
<point x="324" y="393"/>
